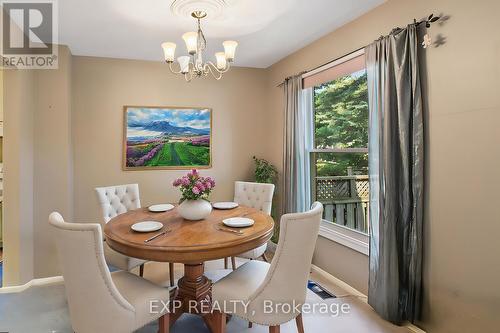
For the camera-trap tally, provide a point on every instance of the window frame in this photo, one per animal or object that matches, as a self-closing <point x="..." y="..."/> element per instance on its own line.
<point x="351" y="238"/>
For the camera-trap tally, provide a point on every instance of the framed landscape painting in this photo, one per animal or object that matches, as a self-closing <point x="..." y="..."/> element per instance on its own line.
<point x="167" y="138"/>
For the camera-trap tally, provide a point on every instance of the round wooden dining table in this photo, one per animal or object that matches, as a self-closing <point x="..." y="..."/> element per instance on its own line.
<point x="190" y="243"/>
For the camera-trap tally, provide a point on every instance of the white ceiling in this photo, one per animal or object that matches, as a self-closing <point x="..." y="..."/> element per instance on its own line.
<point x="267" y="30"/>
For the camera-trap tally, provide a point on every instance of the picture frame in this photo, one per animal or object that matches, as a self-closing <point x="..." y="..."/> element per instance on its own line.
<point x="166" y="138"/>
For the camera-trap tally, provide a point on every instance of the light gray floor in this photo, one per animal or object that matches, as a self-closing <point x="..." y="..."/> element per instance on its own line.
<point x="44" y="309"/>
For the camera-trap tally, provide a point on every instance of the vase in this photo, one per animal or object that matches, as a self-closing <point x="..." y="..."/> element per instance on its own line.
<point x="195" y="209"/>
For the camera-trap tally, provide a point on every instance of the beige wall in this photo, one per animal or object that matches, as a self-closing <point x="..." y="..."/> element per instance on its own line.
<point x="343" y="263"/>
<point x="19" y="103"/>
<point x="53" y="171"/>
<point x="462" y="224"/>
<point x="37" y="162"/>
<point x="101" y="87"/>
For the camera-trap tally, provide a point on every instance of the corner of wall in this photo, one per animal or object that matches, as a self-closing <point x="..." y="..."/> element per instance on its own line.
<point x="53" y="159"/>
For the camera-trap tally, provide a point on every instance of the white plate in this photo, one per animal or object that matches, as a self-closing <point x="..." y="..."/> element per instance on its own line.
<point x="160" y="208"/>
<point x="238" y="222"/>
<point x="147" y="226"/>
<point x="225" y="205"/>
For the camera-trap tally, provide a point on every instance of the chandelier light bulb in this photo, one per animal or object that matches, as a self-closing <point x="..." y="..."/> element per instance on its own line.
<point x="221" y="60"/>
<point x="191" y="40"/>
<point x="184" y="64"/>
<point x="169" y="51"/>
<point x="230" y="49"/>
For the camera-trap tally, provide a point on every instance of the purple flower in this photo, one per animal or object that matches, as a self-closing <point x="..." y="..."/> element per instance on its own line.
<point x="208" y="185"/>
<point x="176" y="182"/>
<point x="196" y="190"/>
<point x="193" y="174"/>
<point x="185" y="181"/>
<point x="200" y="186"/>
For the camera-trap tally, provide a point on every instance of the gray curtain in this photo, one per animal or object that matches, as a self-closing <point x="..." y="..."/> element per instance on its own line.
<point x="396" y="166"/>
<point x="297" y="142"/>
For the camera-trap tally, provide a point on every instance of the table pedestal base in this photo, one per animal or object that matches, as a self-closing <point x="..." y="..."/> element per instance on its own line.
<point x="194" y="295"/>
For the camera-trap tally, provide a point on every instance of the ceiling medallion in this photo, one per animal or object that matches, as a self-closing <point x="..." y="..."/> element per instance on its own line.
<point x="184" y="8"/>
<point x="192" y="65"/>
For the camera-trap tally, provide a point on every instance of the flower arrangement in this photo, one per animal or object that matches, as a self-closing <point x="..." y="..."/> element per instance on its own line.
<point x="194" y="187"/>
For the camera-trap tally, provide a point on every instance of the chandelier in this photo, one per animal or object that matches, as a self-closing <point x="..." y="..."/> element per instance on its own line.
<point x="192" y="65"/>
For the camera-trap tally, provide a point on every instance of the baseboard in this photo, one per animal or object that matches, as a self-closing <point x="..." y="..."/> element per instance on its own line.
<point x="32" y="283"/>
<point x="413" y="328"/>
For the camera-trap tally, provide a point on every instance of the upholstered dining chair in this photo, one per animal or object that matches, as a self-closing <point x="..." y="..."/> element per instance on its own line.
<point x="115" y="200"/>
<point x="98" y="300"/>
<point x="255" y="195"/>
<point x="283" y="281"/>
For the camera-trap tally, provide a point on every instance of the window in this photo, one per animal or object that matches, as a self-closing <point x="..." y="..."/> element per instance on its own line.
<point x="339" y="158"/>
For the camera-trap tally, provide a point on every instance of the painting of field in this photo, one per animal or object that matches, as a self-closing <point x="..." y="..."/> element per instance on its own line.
<point x="167" y="138"/>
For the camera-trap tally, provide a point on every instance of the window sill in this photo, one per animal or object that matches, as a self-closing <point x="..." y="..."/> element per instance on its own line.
<point x="352" y="239"/>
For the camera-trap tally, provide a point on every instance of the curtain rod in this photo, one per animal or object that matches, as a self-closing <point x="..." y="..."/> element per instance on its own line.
<point x="428" y="21"/>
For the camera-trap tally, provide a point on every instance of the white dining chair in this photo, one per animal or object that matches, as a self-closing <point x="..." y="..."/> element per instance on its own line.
<point x="115" y="200"/>
<point x="98" y="300"/>
<point x="257" y="283"/>
<point x="255" y="195"/>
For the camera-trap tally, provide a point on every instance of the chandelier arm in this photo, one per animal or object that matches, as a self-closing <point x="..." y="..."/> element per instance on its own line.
<point x="188" y="76"/>
<point x="225" y="70"/>
<point x="205" y="69"/>
<point x="170" y="65"/>
<point x="216" y="73"/>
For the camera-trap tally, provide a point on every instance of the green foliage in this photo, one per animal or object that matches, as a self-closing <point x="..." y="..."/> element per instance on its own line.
<point x="341" y="121"/>
<point x="163" y="157"/>
<point x="192" y="155"/>
<point x="181" y="153"/>
<point x="265" y="172"/>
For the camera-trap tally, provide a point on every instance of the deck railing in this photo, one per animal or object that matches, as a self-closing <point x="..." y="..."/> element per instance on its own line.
<point x="345" y="198"/>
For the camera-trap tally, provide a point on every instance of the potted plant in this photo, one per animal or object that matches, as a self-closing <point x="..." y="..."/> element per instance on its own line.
<point x="194" y="204"/>
<point x="265" y="172"/>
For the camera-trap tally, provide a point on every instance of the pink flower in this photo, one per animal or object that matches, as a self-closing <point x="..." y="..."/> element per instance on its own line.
<point x="176" y="182"/>
<point x="185" y="181"/>
<point x="196" y="190"/>
<point x="200" y="186"/>
<point x="208" y="185"/>
<point x="193" y="174"/>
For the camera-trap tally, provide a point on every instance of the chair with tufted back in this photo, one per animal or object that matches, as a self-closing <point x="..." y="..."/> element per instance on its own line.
<point x="116" y="200"/>
<point x="258" y="196"/>
<point x="99" y="301"/>
<point x="281" y="285"/>
<point x="255" y="195"/>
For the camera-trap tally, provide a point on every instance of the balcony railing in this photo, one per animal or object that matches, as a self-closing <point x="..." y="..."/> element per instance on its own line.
<point x="345" y="198"/>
